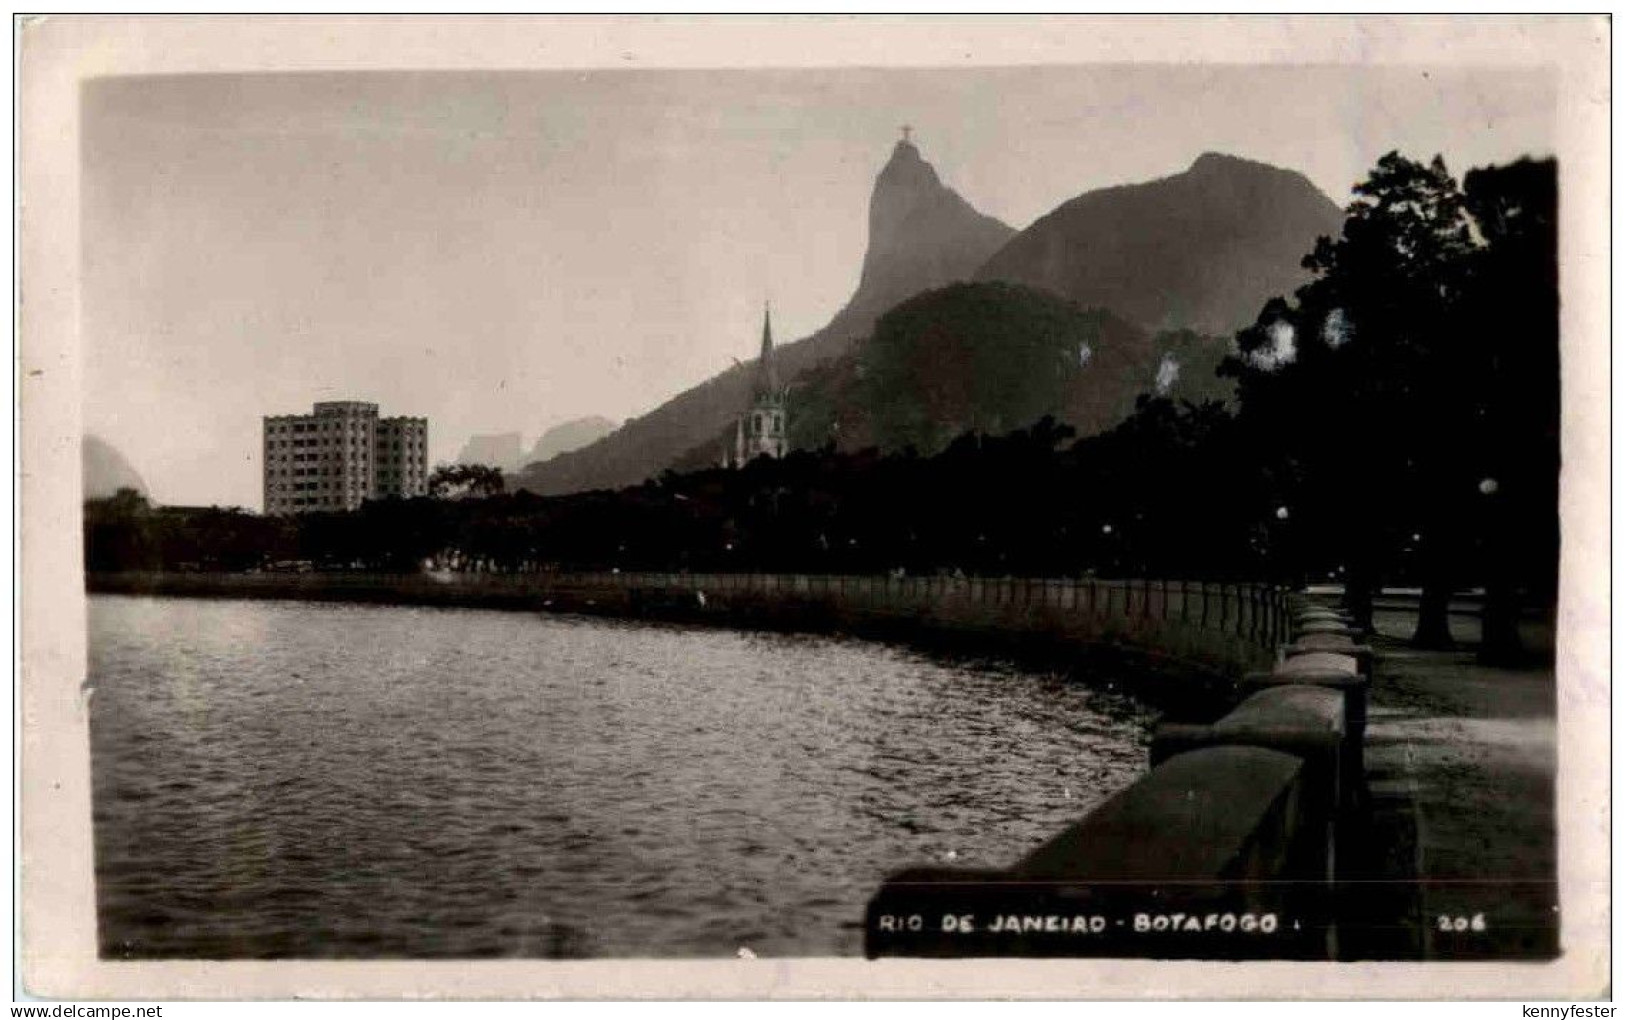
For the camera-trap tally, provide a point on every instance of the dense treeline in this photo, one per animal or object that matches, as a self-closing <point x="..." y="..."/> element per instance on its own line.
<point x="1136" y="500"/>
<point x="1410" y="393"/>
<point x="1396" y="421"/>
<point x="1159" y="495"/>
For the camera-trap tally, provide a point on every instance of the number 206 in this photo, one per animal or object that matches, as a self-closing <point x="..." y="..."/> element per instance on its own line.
<point x="1459" y="922"/>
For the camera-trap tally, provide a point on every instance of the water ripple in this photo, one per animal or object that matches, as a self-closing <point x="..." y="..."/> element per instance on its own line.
<point x="281" y="780"/>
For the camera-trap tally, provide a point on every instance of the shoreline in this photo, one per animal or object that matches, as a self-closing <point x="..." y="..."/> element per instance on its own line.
<point x="1151" y="638"/>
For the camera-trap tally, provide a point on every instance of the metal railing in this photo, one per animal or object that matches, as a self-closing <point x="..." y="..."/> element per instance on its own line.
<point x="1256" y="613"/>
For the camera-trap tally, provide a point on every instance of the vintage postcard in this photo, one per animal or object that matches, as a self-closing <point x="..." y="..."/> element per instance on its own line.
<point x="814" y="507"/>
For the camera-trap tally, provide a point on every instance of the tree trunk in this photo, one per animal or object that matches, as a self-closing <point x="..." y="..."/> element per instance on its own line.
<point x="1362" y="574"/>
<point x="1440" y="556"/>
<point x="1358" y="592"/>
<point x="1433" y="621"/>
<point x="1498" y="626"/>
<point x="1500" y="643"/>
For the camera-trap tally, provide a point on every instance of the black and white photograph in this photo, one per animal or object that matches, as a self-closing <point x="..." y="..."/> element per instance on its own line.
<point x="720" y="492"/>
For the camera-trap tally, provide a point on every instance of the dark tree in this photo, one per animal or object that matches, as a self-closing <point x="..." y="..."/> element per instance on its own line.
<point x="464" y="480"/>
<point x="1410" y="375"/>
<point x="1514" y="377"/>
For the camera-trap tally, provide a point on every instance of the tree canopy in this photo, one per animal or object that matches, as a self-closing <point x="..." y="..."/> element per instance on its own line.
<point x="1410" y="389"/>
<point x="462" y="480"/>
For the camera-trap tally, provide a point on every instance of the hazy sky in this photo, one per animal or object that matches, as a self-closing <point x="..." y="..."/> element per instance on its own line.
<point x="501" y="252"/>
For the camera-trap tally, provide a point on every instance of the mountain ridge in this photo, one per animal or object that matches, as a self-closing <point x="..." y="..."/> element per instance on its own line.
<point x="501" y="450"/>
<point x="567" y="436"/>
<point x="105" y="470"/>
<point x="927" y="236"/>
<point x="1199" y="251"/>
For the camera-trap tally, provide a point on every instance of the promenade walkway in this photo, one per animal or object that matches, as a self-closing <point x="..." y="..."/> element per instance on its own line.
<point x="1461" y="759"/>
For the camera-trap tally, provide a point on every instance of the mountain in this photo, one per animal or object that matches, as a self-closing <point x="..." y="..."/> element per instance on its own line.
<point x="1171" y="268"/>
<point x="567" y="436"/>
<point x="922" y="235"/>
<point x="504" y="451"/>
<point x="990" y="357"/>
<point x="1200" y="250"/>
<point x="995" y="357"/>
<point x="105" y="470"/>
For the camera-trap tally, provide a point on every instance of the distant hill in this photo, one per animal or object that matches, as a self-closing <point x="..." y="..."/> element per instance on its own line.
<point x="995" y="357"/>
<point x="990" y="358"/>
<point x="1159" y="268"/>
<point x="106" y="471"/>
<point x="1200" y="250"/>
<point x="922" y="235"/>
<point x="567" y="436"/>
<point x="504" y="450"/>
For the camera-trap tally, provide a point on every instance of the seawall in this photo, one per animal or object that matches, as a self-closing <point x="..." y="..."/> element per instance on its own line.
<point x="1224" y="629"/>
<point x="1235" y="845"/>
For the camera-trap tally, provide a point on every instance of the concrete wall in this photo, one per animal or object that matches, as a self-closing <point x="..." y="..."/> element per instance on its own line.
<point x="1227" y="849"/>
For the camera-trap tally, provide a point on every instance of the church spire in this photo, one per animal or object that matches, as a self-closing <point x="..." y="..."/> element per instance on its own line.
<point x="767" y="374"/>
<point x="761" y="429"/>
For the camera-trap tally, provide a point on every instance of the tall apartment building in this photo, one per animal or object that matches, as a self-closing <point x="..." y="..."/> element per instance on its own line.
<point x="340" y="454"/>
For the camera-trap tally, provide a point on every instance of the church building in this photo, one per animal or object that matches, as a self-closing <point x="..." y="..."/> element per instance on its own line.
<point x="764" y="427"/>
